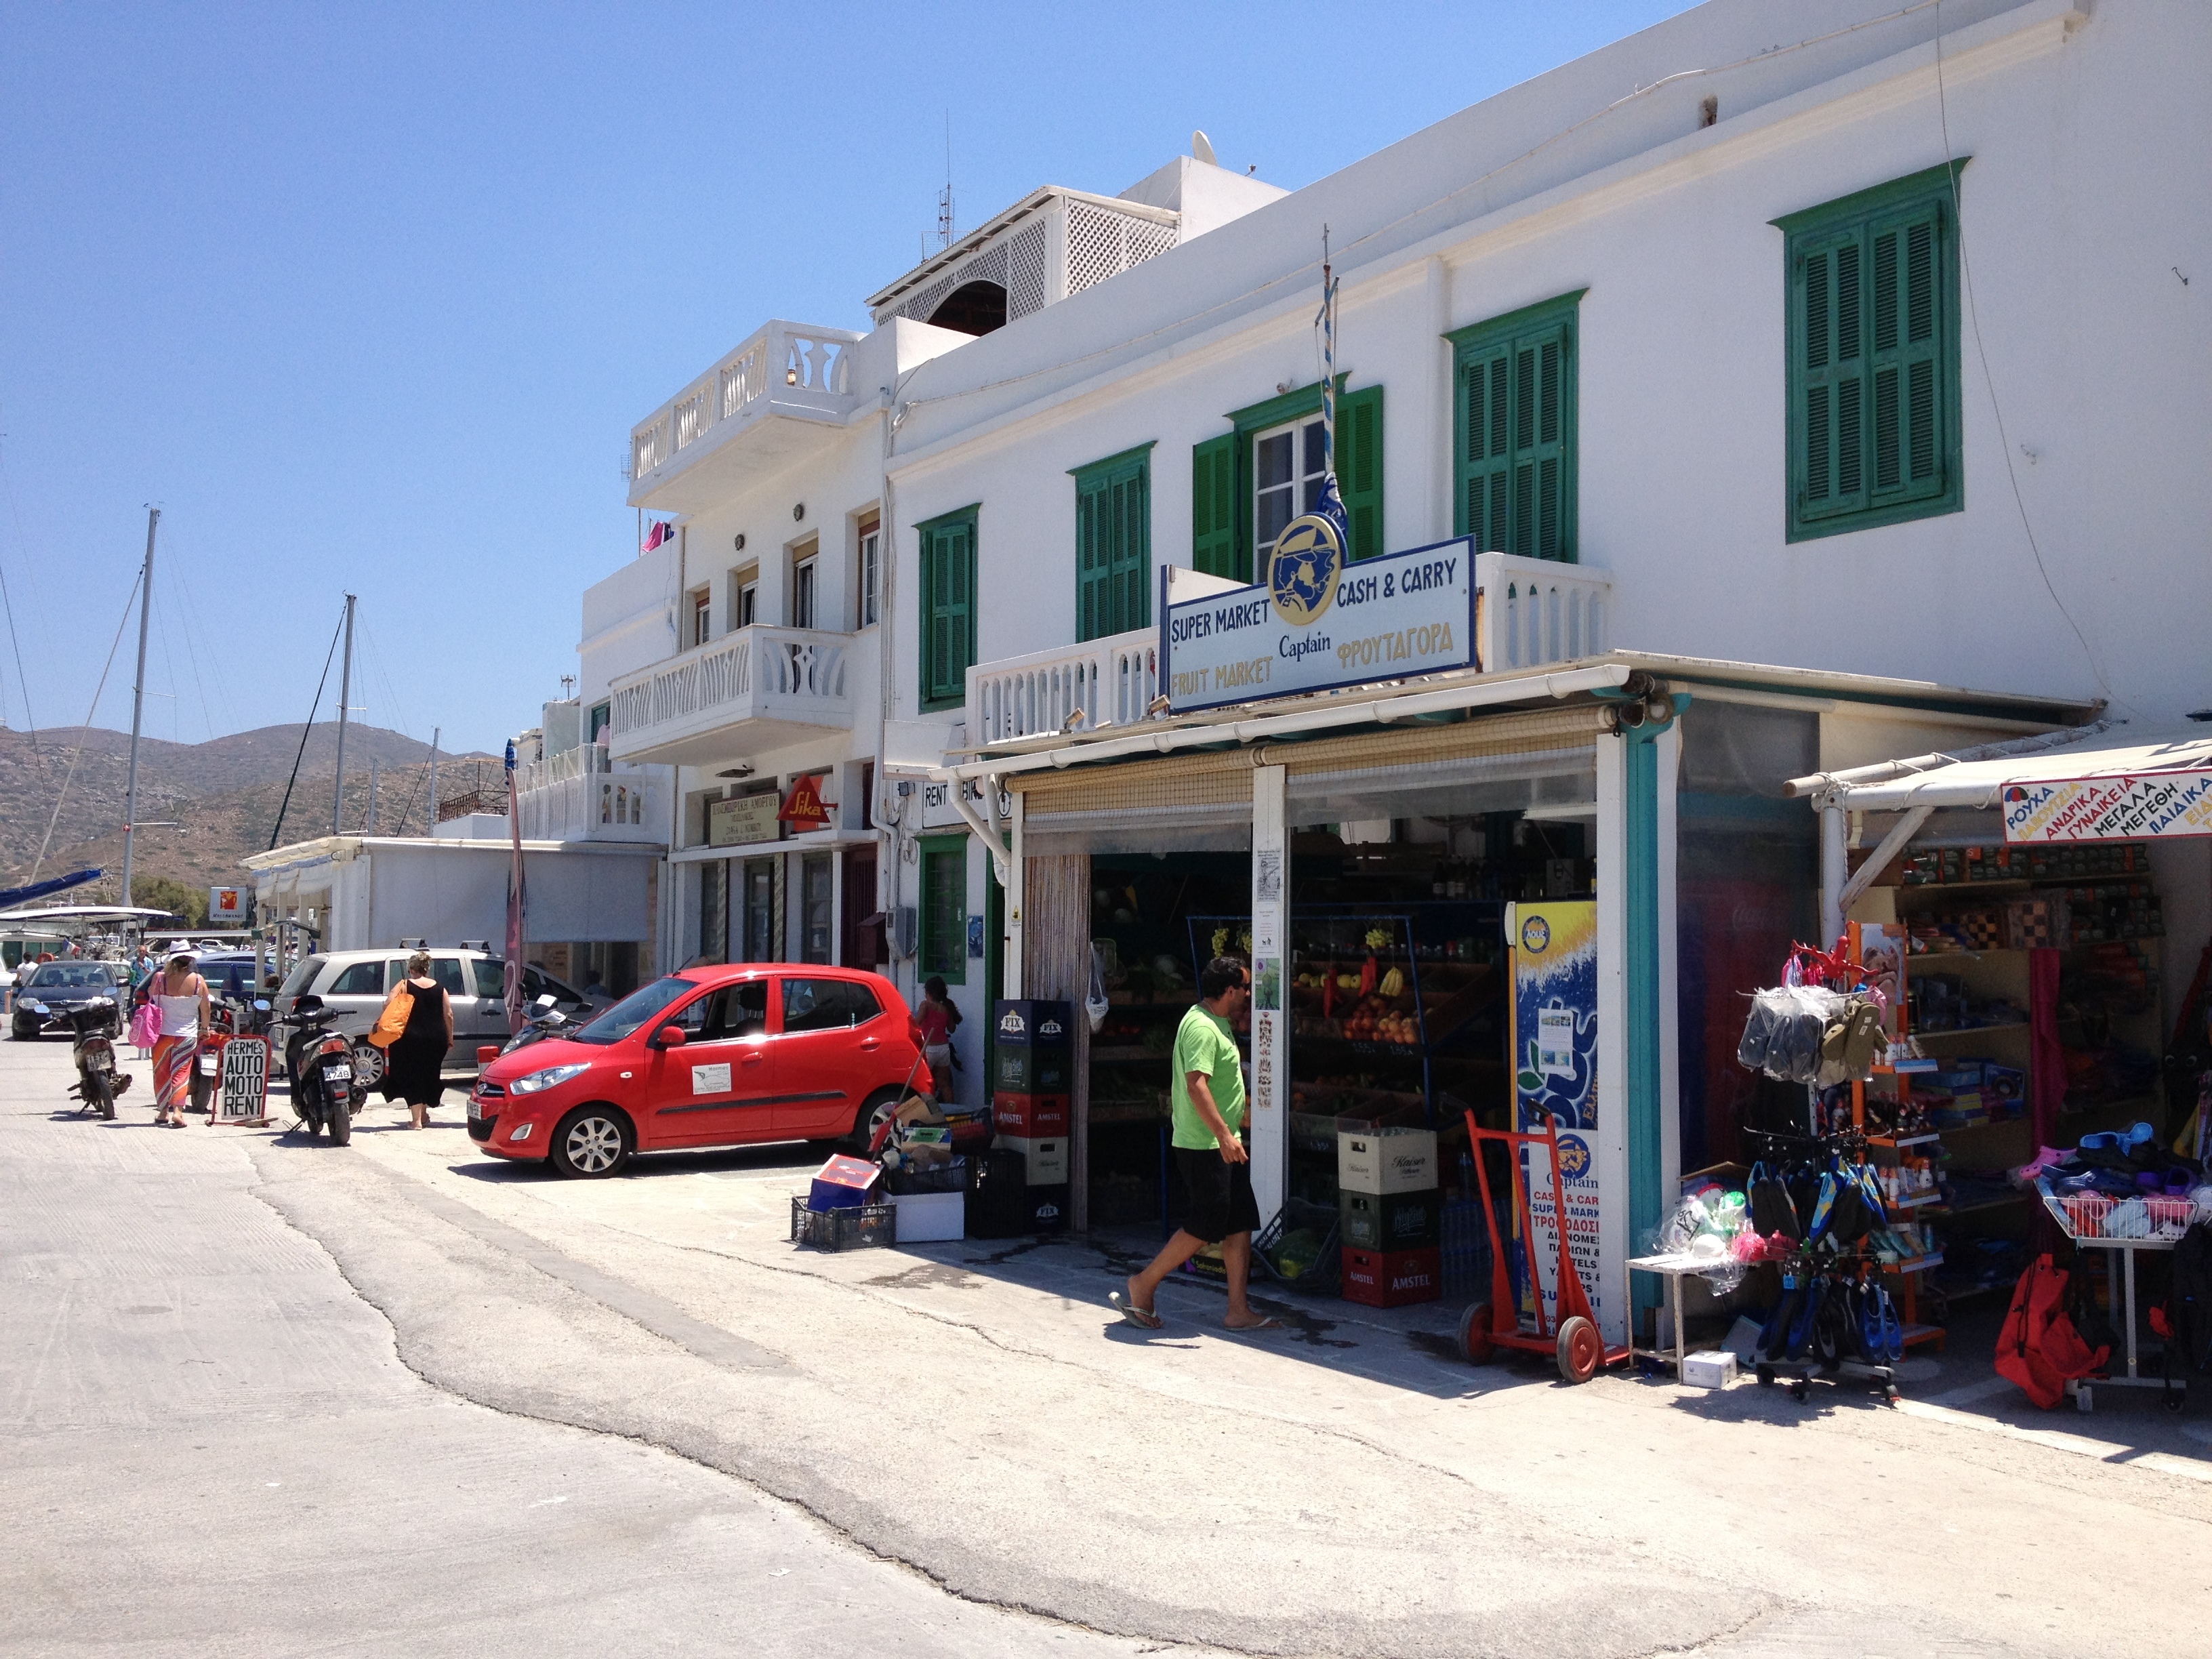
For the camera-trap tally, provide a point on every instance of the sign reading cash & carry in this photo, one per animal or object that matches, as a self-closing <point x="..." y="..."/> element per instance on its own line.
<point x="1319" y="622"/>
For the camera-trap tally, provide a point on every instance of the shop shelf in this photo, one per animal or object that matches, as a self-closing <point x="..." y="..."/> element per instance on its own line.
<point x="1970" y="1030"/>
<point x="1907" y="1140"/>
<point x="2006" y="1202"/>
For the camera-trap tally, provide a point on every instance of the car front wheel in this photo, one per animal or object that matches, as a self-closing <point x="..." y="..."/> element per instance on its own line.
<point x="591" y="1143"/>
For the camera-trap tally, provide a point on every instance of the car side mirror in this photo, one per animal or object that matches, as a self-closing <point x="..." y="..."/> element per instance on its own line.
<point x="670" y="1036"/>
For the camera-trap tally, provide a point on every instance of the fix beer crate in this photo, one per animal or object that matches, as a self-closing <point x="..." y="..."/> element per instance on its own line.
<point x="1026" y="1070"/>
<point x="1394" y="1221"/>
<point x="1028" y="1023"/>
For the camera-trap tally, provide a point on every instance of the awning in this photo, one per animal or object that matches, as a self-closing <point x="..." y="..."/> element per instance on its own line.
<point x="1979" y="778"/>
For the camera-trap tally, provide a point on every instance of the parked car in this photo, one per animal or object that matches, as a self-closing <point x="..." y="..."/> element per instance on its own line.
<point x="355" y="982"/>
<point x="229" y="975"/>
<point x="718" y="1057"/>
<point x="56" y="988"/>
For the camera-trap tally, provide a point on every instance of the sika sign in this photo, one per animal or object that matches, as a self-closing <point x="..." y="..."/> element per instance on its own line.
<point x="1319" y="622"/>
<point x="2134" y="806"/>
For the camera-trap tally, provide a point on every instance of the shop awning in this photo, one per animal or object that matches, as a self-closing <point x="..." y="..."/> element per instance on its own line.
<point x="1980" y="778"/>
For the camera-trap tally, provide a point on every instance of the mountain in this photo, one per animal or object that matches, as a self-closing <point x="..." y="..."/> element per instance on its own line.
<point x="225" y="794"/>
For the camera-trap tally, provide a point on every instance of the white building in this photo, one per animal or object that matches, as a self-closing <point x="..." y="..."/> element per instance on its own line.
<point x="1837" y="337"/>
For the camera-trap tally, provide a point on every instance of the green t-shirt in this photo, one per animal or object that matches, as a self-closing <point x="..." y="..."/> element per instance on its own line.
<point x="1205" y="1044"/>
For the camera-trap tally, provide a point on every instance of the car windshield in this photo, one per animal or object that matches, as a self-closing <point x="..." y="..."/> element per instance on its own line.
<point x="639" y="1008"/>
<point x="74" y="975"/>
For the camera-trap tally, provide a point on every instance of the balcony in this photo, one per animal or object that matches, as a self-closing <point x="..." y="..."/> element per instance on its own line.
<point x="582" y="795"/>
<point x="1529" y="612"/>
<point x="1112" y="681"/>
<point x="776" y="399"/>
<point x="753" y="689"/>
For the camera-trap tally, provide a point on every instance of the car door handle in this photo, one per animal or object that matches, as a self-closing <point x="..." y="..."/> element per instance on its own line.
<point x="751" y="1060"/>
<point x="871" y="1042"/>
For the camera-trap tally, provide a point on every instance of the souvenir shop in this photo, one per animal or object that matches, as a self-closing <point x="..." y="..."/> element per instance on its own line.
<point x="1505" y="898"/>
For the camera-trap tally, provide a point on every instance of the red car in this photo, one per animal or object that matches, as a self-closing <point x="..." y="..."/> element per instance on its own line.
<point x="709" y="1057"/>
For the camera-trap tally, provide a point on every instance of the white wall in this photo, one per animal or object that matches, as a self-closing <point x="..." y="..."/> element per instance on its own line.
<point x="2075" y="222"/>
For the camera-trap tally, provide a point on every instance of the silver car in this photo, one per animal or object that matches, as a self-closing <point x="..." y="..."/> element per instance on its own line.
<point x="356" y="982"/>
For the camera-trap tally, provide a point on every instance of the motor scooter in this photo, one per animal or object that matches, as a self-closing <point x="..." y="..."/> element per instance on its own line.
<point x="544" y="1020"/>
<point x="207" y="1059"/>
<point x="93" y="1048"/>
<point x="327" y="1088"/>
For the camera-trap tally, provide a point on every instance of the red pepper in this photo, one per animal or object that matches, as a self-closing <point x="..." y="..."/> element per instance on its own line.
<point x="1368" y="974"/>
<point x="1328" y="990"/>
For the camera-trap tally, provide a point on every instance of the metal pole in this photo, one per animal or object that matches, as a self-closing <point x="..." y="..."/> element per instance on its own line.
<point x="345" y="696"/>
<point x="436" y="732"/>
<point x="371" y="794"/>
<point x="138" y="697"/>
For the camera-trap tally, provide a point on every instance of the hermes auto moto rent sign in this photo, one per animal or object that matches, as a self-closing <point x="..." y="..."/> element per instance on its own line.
<point x="1319" y="622"/>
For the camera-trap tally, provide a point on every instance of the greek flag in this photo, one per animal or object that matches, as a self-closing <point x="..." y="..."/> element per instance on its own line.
<point x="1331" y="507"/>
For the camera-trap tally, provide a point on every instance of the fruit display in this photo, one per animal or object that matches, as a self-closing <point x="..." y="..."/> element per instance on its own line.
<point x="1376" y="1019"/>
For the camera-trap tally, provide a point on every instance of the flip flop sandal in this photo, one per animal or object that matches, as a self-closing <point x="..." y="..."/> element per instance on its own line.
<point x="1143" y="1318"/>
<point x="1270" y="1323"/>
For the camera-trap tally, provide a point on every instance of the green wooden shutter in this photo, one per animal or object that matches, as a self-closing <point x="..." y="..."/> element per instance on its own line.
<point x="1906" y="439"/>
<point x="1515" y="420"/>
<point x="1359" y="468"/>
<point x="948" y="608"/>
<point x="1831" y="305"/>
<point x="1094" y="597"/>
<point x="1213" y="548"/>
<point x="943" y="943"/>
<point x="1129" y="496"/>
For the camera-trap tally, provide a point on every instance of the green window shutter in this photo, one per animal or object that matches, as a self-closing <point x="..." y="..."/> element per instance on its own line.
<point x="1514" y="431"/>
<point x="948" y="607"/>
<point x="1114" y="544"/>
<point x="1213" y="499"/>
<point x="1359" y="468"/>
<point x="944" y="942"/>
<point x="1872" y="358"/>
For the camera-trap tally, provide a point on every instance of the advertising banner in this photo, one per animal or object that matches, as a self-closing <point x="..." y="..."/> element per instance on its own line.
<point x="226" y="905"/>
<point x="1319" y="622"/>
<point x="2136" y="806"/>
<point x="741" y="821"/>
<point x="1554" y="1049"/>
<point x="245" y="1073"/>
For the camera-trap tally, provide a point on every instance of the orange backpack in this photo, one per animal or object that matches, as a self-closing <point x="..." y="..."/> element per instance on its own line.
<point x="392" y="1023"/>
<point x="2039" y="1347"/>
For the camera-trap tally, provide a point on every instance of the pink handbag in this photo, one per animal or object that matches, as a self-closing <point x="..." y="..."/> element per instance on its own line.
<point x="145" y="1026"/>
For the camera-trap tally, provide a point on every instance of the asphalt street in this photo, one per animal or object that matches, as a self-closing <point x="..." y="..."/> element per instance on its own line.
<point x="270" y="1396"/>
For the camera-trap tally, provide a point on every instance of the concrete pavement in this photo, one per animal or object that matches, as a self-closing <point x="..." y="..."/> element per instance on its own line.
<point x="969" y="1411"/>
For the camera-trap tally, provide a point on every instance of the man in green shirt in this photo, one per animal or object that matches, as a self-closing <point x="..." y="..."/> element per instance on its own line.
<point x="1208" y="1095"/>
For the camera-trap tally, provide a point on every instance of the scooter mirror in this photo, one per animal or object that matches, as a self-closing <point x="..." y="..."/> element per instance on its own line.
<point x="261" y="1004"/>
<point x="547" y="1000"/>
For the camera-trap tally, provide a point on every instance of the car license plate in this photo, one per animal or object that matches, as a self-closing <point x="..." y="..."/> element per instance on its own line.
<point x="339" y="1074"/>
<point x="207" y="1065"/>
<point x="476" y="1109"/>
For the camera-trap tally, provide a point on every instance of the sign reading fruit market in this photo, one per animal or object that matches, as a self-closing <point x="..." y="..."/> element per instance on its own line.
<point x="2132" y="806"/>
<point x="1320" y="621"/>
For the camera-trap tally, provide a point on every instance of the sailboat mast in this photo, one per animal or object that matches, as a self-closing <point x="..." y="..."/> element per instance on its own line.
<point x="139" y="698"/>
<point x="345" y="697"/>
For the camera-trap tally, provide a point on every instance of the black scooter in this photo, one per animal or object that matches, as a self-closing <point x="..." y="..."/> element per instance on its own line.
<point x="328" y="1089"/>
<point x="93" y="1048"/>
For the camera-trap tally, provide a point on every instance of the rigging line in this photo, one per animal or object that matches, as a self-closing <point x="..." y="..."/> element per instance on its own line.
<point x="180" y="591"/>
<point x="1988" y="381"/>
<point x="399" y="827"/>
<point x="306" y="731"/>
<point x="1302" y="273"/>
<point x="9" y="602"/>
<point x="85" y="731"/>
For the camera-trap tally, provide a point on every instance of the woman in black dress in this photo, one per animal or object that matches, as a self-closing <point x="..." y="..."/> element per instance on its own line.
<point x="413" y="1063"/>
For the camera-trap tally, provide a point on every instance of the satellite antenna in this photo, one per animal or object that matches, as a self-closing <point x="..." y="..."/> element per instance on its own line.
<point x="1202" y="148"/>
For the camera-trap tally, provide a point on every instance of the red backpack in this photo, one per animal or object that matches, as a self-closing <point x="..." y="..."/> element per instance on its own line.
<point x="2039" y="1348"/>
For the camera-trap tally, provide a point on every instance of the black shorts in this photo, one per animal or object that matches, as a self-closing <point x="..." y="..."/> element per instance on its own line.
<point x="1218" y="1195"/>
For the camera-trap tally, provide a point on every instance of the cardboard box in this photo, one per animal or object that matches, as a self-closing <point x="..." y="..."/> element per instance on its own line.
<point x="843" y="1183"/>
<point x="1387" y="1161"/>
<point x="930" y="1218"/>
<point x="1399" y="1221"/>
<point x="1032" y="1117"/>
<point x="1044" y="1158"/>
<point x="1393" y="1278"/>
<point x="1711" y="1368"/>
<point x="1032" y="1070"/>
<point x="1027" y="1022"/>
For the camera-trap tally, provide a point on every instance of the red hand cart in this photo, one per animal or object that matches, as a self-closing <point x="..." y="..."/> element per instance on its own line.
<point x="1572" y="1336"/>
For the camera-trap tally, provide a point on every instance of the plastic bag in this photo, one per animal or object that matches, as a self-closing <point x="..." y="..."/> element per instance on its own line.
<point x="1094" y="1000"/>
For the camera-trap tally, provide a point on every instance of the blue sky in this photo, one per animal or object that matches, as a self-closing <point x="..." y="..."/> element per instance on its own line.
<point x="369" y="296"/>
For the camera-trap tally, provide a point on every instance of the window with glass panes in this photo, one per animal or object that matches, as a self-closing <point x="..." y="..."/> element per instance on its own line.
<point x="1247" y="483"/>
<point x="870" y="561"/>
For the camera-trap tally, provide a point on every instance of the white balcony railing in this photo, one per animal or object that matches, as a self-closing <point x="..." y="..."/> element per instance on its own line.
<point x="1534" y="612"/>
<point x="798" y="368"/>
<point x="790" y="676"/>
<point x="581" y="795"/>
<point x="1112" y="681"/>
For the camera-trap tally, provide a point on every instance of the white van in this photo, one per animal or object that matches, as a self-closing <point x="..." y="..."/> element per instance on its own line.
<point x="356" y="982"/>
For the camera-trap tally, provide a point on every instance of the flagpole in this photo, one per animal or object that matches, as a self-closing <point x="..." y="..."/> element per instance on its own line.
<point x="1329" y="361"/>
<point x="514" y="902"/>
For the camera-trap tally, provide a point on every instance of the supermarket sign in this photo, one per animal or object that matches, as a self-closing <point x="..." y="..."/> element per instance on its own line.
<point x="1319" y="622"/>
<point x="2132" y="806"/>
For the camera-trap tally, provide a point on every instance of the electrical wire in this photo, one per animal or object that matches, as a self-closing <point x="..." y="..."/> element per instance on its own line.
<point x="8" y="600"/>
<point x="1303" y="272"/>
<point x="188" y="613"/>
<point x="1988" y="380"/>
<point x="85" y="731"/>
<point x="305" y="731"/>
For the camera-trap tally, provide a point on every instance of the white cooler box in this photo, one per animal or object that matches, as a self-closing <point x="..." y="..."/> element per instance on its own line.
<point x="929" y="1218"/>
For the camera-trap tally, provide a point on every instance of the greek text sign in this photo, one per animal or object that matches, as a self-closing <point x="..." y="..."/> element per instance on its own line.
<point x="2133" y="807"/>
<point x="1318" y="621"/>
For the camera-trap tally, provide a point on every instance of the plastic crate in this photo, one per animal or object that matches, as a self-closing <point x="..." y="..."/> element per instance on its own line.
<point x="1318" y="1276"/>
<point x="853" y="1228"/>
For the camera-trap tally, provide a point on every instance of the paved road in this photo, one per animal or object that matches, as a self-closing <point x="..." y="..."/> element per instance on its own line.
<point x="538" y="1415"/>
<point x="209" y="1445"/>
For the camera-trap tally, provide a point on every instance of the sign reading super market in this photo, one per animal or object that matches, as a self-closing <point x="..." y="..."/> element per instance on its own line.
<point x="1319" y="622"/>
